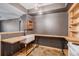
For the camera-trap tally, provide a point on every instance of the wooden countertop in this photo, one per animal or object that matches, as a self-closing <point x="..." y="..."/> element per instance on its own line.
<point x="69" y="39"/>
<point x="16" y="39"/>
<point x="10" y="32"/>
<point x="13" y="40"/>
<point x="44" y="35"/>
<point x="73" y="40"/>
<point x="0" y="38"/>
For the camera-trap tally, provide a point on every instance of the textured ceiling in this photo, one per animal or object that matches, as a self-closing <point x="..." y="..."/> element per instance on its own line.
<point x="15" y="10"/>
<point x="9" y="12"/>
<point x="43" y="7"/>
<point x="32" y="5"/>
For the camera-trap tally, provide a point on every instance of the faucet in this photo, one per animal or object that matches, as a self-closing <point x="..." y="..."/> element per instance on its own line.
<point x="25" y="31"/>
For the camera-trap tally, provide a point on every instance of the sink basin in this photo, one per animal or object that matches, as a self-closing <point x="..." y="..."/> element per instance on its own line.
<point x="28" y="39"/>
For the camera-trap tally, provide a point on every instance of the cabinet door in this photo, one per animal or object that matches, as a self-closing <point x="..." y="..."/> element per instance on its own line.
<point x="10" y="49"/>
<point x="0" y="48"/>
<point x="73" y="50"/>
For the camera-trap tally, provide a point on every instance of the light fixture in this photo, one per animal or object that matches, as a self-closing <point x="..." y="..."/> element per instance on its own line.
<point x="40" y="12"/>
<point x="36" y="6"/>
<point x="38" y="9"/>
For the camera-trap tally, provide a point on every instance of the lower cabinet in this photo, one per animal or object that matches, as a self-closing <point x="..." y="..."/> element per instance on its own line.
<point x="9" y="49"/>
<point x="73" y="50"/>
<point x="0" y="48"/>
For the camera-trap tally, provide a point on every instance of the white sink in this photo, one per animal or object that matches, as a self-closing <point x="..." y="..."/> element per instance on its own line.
<point x="28" y="38"/>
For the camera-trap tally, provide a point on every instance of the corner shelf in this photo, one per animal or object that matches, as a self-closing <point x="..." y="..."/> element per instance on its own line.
<point x="73" y="20"/>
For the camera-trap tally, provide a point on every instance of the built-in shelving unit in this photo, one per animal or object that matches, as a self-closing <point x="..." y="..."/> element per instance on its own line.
<point x="73" y="30"/>
<point x="73" y="14"/>
<point x="28" y="24"/>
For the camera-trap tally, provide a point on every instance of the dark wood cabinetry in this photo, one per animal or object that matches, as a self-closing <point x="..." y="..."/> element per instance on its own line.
<point x="8" y="49"/>
<point x="0" y="26"/>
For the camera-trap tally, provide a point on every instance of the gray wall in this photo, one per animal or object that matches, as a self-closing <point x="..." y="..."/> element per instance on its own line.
<point x="55" y="24"/>
<point x="10" y="35"/>
<point x="13" y="24"/>
<point x="0" y="26"/>
<point x="10" y="25"/>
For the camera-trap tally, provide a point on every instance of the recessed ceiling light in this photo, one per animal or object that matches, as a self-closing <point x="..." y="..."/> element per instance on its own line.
<point x="40" y="12"/>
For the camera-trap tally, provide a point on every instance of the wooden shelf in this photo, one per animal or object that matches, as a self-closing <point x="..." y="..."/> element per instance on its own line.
<point x="76" y="14"/>
<point x="72" y="7"/>
<point x="74" y="11"/>
<point x="73" y="20"/>
<point x="75" y="31"/>
<point x="73" y="40"/>
<point x="73" y="17"/>
<point x="30" y="25"/>
<point x="75" y="23"/>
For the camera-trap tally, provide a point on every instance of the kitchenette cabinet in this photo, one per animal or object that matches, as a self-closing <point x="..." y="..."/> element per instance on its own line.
<point x="8" y="49"/>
